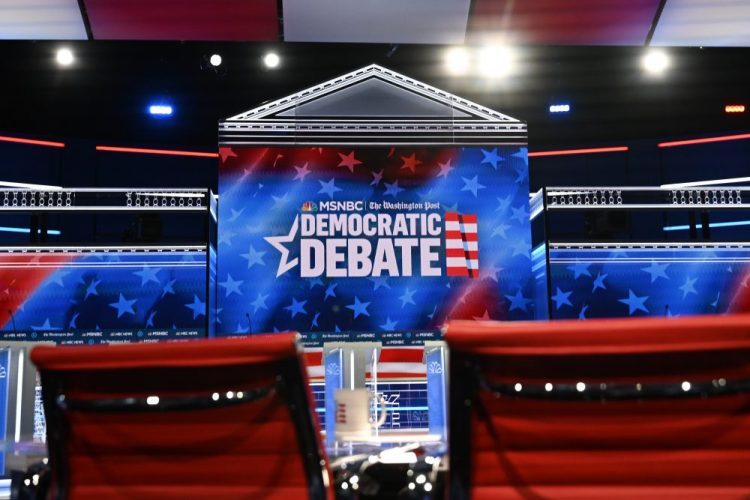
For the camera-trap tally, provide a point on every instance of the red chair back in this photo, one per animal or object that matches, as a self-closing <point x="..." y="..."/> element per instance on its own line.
<point x="651" y="408"/>
<point x="201" y="419"/>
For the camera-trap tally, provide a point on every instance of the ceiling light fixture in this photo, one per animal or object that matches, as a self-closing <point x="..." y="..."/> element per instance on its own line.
<point x="271" y="60"/>
<point x="655" y="62"/>
<point x="496" y="61"/>
<point x="65" y="57"/>
<point x="457" y="61"/>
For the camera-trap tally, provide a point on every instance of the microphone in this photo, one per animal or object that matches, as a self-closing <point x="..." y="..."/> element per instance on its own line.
<point x="13" y="319"/>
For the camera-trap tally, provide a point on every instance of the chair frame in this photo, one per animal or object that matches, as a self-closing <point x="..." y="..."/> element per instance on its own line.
<point x="290" y="383"/>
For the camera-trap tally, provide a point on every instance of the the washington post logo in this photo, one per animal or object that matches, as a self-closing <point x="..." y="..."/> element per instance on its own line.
<point x="461" y="245"/>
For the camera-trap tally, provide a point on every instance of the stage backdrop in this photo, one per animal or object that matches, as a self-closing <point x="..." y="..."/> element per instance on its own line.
<point x="419" y="215"/>
<point x="94" y="295"/>
<point x="661" y="279"/>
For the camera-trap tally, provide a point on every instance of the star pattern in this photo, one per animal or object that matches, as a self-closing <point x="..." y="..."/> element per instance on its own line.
<point x="520" y="214"/>
<point x="392" y="189"/>
<point x="656" y="271"/>
<point x="253" y="257"/>
<point x="330" y="291"/>
<point x="377" y="177"/>
<point x="379" y="281"/>
<point x="329" y="188"/>
<point x="599" y="282"/>
<point x="389" y="325"/>
<point x="407" y="297"/>
<point x="500" y="230"/>
<point x="503" y="202"/>
<point x="518" y="301"/>
<point x="91" y="289"/>
<point x="168" y="288"/>
<point x="472" y="185"/>
<point x="561" y="298"/>
<point x="359" y="308"/>
<point x="348" y="161"/>
<point x="302" y="172"/>
<point x="123" y="306"/>
<point x="148" y="274"/>
<point x="689" y="287"/>
<point x="259" y="302"/>
<point x="580" y="269"/>
<point x="198" y="307"/>
<point x="635" y="303"/>
<point x="445" y="168"/>
<point x="296" y="307"/>
<point x="410" y="163"/>
<point x="491" y="157"/>
<point x="231" y="286"/>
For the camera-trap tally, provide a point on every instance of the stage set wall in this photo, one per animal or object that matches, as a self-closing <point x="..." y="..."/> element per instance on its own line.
<point x="643" y="164"/>
<point x="264" y="190"/>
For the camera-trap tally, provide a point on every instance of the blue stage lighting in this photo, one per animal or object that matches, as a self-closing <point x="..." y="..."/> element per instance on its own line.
<point x="26" y="230"/>
<point x="559" y="108"/>
<point x="160" y="109"/>
<point x="711" y="224"/>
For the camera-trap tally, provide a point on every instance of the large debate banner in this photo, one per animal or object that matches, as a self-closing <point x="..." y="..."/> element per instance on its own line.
<point x="371" y="202"/>
<point x="372" y="238"/>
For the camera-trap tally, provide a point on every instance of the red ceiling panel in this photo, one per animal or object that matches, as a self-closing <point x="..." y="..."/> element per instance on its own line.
<point x="242" y="20"/>
<point x="558" y="22"/>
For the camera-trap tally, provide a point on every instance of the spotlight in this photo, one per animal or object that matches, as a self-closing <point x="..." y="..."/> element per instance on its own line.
<point x="655" y="62"/>
<point x="215" y="60"/>
<point x="580" y="387"/>
<point x="457" y="61"/>
<point x="271" y="60"/>
<point x="160" y="110"/>
<point x="65" y="57"/>
<point x="685" y="386"/>
<point x="559" y="108"/>
<point x="548" y="387"/>
<point x="734" y="108"/>
<point x="152" y="400"/>
<point x="496" y="61"/>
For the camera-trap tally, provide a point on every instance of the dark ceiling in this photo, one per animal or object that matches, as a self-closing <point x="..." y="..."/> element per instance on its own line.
<point x="104" y="95"/>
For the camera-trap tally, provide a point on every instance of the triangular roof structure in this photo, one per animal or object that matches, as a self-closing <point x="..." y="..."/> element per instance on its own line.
<point x="372" y="105"/>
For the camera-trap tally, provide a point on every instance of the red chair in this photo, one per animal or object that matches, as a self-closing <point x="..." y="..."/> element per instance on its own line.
<point x="202" y="419"/>
<point x="652" y="408"/>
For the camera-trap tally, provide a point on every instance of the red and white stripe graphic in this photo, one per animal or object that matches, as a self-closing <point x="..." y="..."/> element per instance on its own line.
<point x="394" y="363"/>
<point x="461" y="245"/>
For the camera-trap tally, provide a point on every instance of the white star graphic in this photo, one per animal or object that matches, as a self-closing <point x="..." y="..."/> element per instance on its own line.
<point x="278" y="243"/>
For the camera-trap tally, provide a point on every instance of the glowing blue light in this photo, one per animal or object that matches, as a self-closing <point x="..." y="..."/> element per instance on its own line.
<point x="26" y="230"/>
<point x="160" y="109"/>
<point x="559" y="108"/>
<point x="538" y="251"/>
<point x="712" y="224"/>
